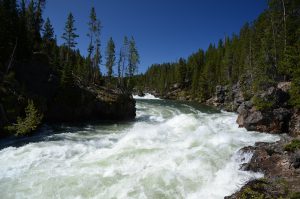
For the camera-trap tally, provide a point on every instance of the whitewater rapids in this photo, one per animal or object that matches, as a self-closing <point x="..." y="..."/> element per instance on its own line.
<point x="172" y="150"/>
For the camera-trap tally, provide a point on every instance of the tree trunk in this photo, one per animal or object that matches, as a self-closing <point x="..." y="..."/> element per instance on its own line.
<point x="274" y="42"/>
<point x="284" y="24"/>
<point x="12" y="57"/>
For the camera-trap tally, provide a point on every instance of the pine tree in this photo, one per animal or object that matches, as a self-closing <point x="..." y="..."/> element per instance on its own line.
<point x="31" y="121"/>
<point x="48" y="31"/>
<point x="124" y="56"/>
<point x="133" y="58"/>
<point x="119" y="67"/>
<point x="34" y="20"/>
<point x="182" y="70"/>
<point x="30" y="18"/>
<point x="69" y="35"/>
<point x="38" y="16"/>
<point x="94" y="51"/>
<point x="110" y="57"/>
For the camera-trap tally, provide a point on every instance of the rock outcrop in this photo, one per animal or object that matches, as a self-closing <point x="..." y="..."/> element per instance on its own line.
<point x="269" y="111"/>
<point x="280" y="166"/>
<point x="274" y="121"/>
<point x="89" y="103"/>
<point x="177" y="92"/>
<point x="228" y="98"/>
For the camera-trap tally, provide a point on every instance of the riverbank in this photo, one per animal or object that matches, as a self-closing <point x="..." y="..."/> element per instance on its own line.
<point x="276" y="161"/>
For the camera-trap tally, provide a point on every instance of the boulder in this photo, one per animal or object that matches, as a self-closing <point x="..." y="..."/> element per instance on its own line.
<point x="276" y="121"/>
<point x="253" y="120"/>
<point x="244" y="107"/>
<point x="271" y="160"/>
<point x="270" y="113"/>
<point x="284" y="86"/>
<point x="280" y="168"/>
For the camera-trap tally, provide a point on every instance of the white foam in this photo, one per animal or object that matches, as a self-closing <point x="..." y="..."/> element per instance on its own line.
<point x="147" y="96"/>
<point x="171" y="155"/>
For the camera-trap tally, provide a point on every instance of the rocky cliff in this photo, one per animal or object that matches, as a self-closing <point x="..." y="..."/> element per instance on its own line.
<point x="266" y="111"/>
<point x="37" y="81"/>
<point x="280" y="162"/>
<point x="88" y="103"/>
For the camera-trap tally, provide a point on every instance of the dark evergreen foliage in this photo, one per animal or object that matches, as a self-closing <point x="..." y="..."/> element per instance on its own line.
<point x="30" y="56"/>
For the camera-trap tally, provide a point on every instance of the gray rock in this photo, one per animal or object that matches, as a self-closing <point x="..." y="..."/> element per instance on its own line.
<point x="254" y="117"/>
<point x="282" y="114"/>
<point x="295" y="159"/>
<point x="294" y="123"/>
<point x="244" y="107"/>
<point x="284" y="86"/>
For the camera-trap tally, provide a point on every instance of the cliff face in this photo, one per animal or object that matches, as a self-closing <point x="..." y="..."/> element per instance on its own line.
<point x="86" y="103"/>
<point x="267" y="111"/>
<point x="76" y="102"/>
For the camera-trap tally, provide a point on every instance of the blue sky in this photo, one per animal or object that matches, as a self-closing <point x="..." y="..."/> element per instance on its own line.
<point x="164" y="30"/>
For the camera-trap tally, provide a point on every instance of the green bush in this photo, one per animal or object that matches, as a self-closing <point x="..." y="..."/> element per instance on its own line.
<point x="261" y="104"/>
<point x="30" y="123"/>
<point x="293" y="146"/>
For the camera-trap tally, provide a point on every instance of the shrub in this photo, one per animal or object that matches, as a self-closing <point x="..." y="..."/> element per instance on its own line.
<point x="293" y="146"/>
<point x="261" y="104"/>
<point x="30" y="123"/>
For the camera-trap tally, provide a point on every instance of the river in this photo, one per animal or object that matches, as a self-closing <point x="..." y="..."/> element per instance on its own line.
<point x="172" y="150"/>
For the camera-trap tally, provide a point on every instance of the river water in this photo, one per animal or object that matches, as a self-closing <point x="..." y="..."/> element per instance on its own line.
<point x="172" y="150"/>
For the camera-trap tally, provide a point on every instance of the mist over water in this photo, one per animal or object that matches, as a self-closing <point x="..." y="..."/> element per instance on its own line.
<point x="172" y="150"/>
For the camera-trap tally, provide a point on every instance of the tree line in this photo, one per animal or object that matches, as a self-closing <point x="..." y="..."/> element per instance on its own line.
<point x="23" y="27"/>
<point x="264" y="52"/>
